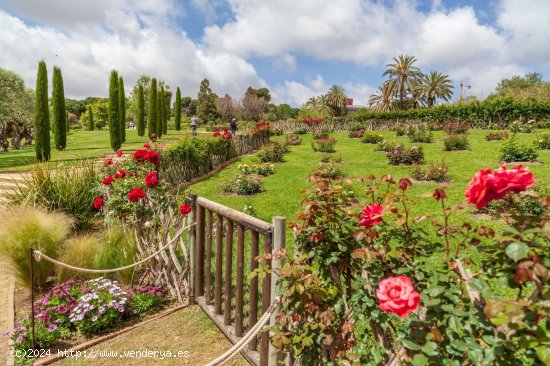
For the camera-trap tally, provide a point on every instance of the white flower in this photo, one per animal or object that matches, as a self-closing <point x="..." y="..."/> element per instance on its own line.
<point x="147" y="224"/>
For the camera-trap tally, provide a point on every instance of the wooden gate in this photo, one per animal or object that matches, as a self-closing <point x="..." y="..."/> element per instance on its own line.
<point x="222" y="286"/>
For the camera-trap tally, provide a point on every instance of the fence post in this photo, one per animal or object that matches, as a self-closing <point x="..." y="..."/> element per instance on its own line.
<point x="279" y="235"/>
<point x="192" y="242"/>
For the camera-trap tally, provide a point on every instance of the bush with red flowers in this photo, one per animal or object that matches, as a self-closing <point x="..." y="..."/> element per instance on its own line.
<point x="262" y="128"/>
<point x="360" y="289"/>
<point x="225" y="135"/>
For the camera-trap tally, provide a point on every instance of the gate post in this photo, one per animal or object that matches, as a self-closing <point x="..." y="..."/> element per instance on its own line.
<point x="192" y="242"/>
<point x="279" y="235"/>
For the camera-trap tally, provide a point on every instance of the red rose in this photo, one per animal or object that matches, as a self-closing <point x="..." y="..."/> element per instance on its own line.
<point x="119" y="153"/>
<point x="107" y="161"/>
<point x="185" y="209"/>
<point x="397" y="295"/>
<point x="140" y="155"/>
<point x="136" y="194"/>
<point x="516" y="179"/>
<point x="147" y="145"/>
<point x="151" y="180"/>
<point x="153" y="157"/>
<point x="372" y="215"/>
<point x="216" y="134"/>
<point x="98" y="203"/>
<point x="108" y="180"/>
<point x="132" y="174"/>
<point x="153" y="137"/>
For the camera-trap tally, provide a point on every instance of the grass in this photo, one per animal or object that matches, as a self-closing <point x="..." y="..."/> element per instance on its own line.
<point x="80" y="145"/>
<point x="283" y="190"/>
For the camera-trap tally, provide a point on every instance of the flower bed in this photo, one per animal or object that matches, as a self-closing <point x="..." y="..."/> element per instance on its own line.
<point x="405" y="156"/>
<point x="325" y="145"/>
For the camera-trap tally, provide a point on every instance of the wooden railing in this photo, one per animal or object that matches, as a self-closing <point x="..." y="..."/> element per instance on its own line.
<point x="221" y="266"/>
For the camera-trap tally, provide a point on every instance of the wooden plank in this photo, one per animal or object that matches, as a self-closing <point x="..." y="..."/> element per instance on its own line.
<point x="253" y="312"/>
<point x="279" y="235"/>
<point x="219" y="270"/>
<point x="208" y="260"/>
<point x="228" y="272"/>
<point x="199" y="251"/>
<point x="239" y="283"/>
<point x="266" y="299"/>
<point x="246" y="220"/>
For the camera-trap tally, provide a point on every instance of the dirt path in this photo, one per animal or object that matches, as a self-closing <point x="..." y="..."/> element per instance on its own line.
<point x="5" y="278"/>
<point x="9" y="182"/>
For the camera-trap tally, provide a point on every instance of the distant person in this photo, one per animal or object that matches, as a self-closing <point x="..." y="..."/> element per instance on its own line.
<point x="194" y="123"/>
<point x="233" y="126"/>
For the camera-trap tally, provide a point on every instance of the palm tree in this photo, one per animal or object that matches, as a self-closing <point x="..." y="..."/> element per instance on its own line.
<point x="336" y="100"/>
<point x="436" y="85"/>
<point x="403" y="73"/>
<point x="381" y="101"/>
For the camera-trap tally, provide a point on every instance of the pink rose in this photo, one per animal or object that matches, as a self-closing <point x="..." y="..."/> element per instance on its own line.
<point x="516" y="179"/>
<point x="397" y="295"/>
<point x="372" y="215"/>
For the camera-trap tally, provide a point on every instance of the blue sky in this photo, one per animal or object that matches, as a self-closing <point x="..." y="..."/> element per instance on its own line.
<point x="297" y="49"/>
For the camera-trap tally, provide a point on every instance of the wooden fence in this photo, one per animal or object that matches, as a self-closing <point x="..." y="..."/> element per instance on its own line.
<point x="222" y="285"/>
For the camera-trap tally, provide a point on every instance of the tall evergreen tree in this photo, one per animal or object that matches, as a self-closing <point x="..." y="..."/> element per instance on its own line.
<point x="160" y="113"/>
<point x="122" y="110"/>
<point x="59" y="114"/>
<point x="166" y="96"/>
<point x="177" y="110"/>
<point x="42" y="114"/>
<point x="140" y="115"/>
<point x="114" y="114"/>
<point x="206" y="102"/>
<point x="90" y="119"/>
<point x="152" y="112"/>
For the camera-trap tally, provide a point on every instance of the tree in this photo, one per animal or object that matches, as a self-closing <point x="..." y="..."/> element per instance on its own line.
<point x="206" y="102"/>
<point x="122" y="110"/>
<point x="189" y="106"/>
<point x="260" y="93"/>
<point x="152" y="110"/>
<point x="402" y="76"/>
<point x="59" y="115"/>
<point x="177" y="110"/>
<point x="336" y="100"/>
<point x="285" y="111"/>
<point x="167" y="99"/>
<point x="435" y="85"/>
<point x="42" y="114"/>
<point x="160" y="112"/>
<point x="114" y="111"/>
<point x="528" y="87"/>
<point x="90" y="119"/>
<point x="381" y="101"/>
<point x="140" y="115"/>
<point x="145" y="82"/>
<point x="226" y="107"/>
<point x="253" y="106"/>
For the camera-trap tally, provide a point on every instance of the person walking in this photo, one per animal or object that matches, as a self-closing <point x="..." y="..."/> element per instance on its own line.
<point x="233" y="126"/>
<point x="194" y="123"/>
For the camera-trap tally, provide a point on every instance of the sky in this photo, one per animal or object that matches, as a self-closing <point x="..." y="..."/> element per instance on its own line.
<point x="296" y="48"/>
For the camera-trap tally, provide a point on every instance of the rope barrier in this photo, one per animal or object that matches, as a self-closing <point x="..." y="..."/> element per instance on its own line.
<point x="253" y="332"/>
<point x="39" y="255"/>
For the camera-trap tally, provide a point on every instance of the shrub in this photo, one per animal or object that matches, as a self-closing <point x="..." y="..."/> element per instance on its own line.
<point x="116" y="249"/>
<point x="242" y="185"/>
<point x="436" y="171"/>
<point x="264" y="169"/>
<point x="25" y="228"/>
<point x="273" y="153"/>
<point x="456" y="128"/>
<point x="400" y="131"/>
<point x="527" y="204"/>
<point x="356" y="133"/>
<point x="324" y="145"/>
<point x="385" y="145"/>
<point x="372" y="138"/>
<point x="300" y="131"/>
<point x="513" y="151"/>
<point x="78" y="251"/>
<point x="522" y="127"/>
<point x="456" y="142"/>
<point x="543" y="141"/>
<point x="406" y="156"/>
<point x="292" y="139"/>
<point x="328" y="158"/>
<point x="146" y="299"/>
<point x="68" y="190"/>
<point x="420" y="134"/>
<point x="329" y="170"/>
<point x="318" y="135"/>
<point x="503" y="135"/>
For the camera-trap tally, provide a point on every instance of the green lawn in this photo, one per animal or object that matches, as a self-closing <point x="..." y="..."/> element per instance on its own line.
<point x="80" y="145"/>
<point x="282" y="193"/>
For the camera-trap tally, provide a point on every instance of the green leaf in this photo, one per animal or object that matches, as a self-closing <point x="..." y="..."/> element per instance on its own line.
<point x="430" y="348"/>
<point x="411" y="345"/>
<point x="517" y="251"/>
<point x="543" y="353"/>
<point x="419" y="360"/>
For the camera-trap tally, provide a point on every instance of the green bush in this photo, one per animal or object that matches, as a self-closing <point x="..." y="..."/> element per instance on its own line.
<point x="503" y="135"/>
<point x="274" y="153"/>
<point x="356" y="128"/>
<point x="318" y="135"/>
<point x="436" y="171"/>
<point x="372" y="138"/>
<point x="324" y="145"/>
<point x="400" y="131"/>
<point x="300" y="131"/>
<point x="116" y="248"/>
<point x="329" y="158"/>
<point x="264" y="169"/>
<point x="401" y="155"/>
<point x="513" y="151"/>
<point x="242" y="185"/>
<point x="69" y="190"/>
<point x="78" y="251"/>
<point x="422" y="135"/>
<point x="455" y="142"/>
<point x="329" y="170"/>
<point x="385" y="145"/>
<point x="27" y="227"/>
<point x="522" y="127"/>
<point x="543" y="141"/>
<point x="356" y="133"/>
<point x="292" y="139"/>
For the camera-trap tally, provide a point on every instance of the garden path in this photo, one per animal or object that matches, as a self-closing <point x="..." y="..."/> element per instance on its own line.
<point x="9" y="182"/>
<point x="5" y="278"/>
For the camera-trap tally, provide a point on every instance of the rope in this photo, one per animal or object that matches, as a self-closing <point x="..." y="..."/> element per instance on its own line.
<point x="253" y="332"/>
<point x="39" y="255"/>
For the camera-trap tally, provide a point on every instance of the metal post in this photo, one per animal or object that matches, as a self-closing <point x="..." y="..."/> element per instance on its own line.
<point x="31" y="260"/>
<point x="192" y="240"/>
<point x="279" y="235"/>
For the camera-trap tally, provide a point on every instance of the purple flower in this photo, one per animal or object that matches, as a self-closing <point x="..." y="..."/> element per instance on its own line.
<point x="21" y="338"/>
<point x="52" y="327"/>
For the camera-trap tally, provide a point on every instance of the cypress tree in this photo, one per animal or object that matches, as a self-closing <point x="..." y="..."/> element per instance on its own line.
<point x="166" y="105"/>
<point x="68" y="126"/>
<point x="177" y="110"/>
<point x="152" y="112"/>
<point x="140" y="117"/>
<point x="114" y="115"/>
<point x="122" y="110"/>
<point x="42" y="114"/>
<point x="90" y="119"/>
<point x="160" y="113"/>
